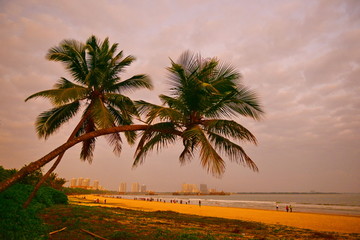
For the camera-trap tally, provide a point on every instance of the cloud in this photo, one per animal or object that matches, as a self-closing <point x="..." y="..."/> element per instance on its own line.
<point x="301" y="58"/>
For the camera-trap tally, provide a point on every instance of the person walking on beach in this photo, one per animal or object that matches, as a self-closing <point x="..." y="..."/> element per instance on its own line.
<point x="199" y="203"/>
<point x="290" y="207"/>
<point x="287" y="208"/>
<point x="277" y="207"/>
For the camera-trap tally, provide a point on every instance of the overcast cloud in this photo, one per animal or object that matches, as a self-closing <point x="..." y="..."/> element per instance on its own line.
<point x="301" y="57"/>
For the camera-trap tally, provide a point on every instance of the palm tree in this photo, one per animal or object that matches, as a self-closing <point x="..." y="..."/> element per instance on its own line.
<point x="205" y="93"/>
<point x="96" y="88"/>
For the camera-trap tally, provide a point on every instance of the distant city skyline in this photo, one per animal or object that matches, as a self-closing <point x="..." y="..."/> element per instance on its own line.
<point x="84" y="183"/>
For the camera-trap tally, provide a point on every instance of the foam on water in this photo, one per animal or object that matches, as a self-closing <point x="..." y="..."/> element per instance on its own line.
<point x="348" y="204"/>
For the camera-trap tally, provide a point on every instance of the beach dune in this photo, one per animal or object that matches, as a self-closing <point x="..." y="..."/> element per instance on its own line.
<point x="319" y="222"/>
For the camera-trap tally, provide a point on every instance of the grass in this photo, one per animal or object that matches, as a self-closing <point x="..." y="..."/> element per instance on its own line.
<point x="118" y="223"/>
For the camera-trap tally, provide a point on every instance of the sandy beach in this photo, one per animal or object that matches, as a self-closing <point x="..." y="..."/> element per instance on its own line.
<point x="319" y="222"/>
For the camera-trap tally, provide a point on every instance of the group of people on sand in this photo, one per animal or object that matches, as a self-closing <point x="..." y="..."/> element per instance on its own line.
<point x="96" y="200"/>
<point x="287" y="208"/>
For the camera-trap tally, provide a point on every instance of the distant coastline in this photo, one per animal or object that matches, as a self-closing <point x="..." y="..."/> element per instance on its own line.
<point x="311" y="192"/>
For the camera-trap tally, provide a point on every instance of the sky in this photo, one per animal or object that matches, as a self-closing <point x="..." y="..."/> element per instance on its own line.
<point x="301" y="57"/>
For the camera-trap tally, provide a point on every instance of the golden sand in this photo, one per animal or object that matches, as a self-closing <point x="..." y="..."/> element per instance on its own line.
<point x="319" y="222"/>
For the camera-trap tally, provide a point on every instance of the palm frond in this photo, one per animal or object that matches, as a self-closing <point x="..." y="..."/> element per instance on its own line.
<point x="121" y="105"/>
<point x="115" y="141"/>
<point x="49" y="121"/>
<point x="72" y="54"/>
<point x="220" y="106"/>
<point x="87" y="150"/>
<point x="158" y="141"/>
<point x="133" y="83"/>
<point x="119" y="64"/>
<point x="130" y="137"/>
<point x="209" y="158"/>
<point x="120" y="118"/>
<point x="188" y="152"/>
<point x="88" y="146"/>
<point x="63" y="83"/>
<point x="61" y="96"/>
<point x="226" y="77"/>
<point x="238" y="101"/>
<point x="117" y="58"/>
<point x="229" y="128"/>
<point x="235" y="152"/>
<point x="123" y="118"/>
<point x="101" y="114"/>
<point x="162" y="113"/>
<point x="157" y="135"/>
<point x="246" y="103"/>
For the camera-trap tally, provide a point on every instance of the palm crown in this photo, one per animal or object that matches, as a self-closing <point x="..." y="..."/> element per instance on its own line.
<point x="204" y="93"/>
<point x="95" y="87"/>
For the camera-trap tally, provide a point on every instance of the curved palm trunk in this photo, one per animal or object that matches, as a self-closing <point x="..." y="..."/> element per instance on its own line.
<point x="53" y="167"/>
<point x="61" y="149"/>
<point x="42" y="180"/>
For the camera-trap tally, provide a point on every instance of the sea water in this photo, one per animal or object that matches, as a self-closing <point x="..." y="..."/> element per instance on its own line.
<point x="330" y="203"/>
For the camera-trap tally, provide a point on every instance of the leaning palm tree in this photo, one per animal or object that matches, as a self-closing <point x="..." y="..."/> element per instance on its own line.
<point x="204" y="94"/>
<point x="95" y="88"/>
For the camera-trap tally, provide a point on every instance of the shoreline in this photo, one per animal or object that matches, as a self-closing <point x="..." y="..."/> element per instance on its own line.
<point x="313" y="221"/>
<point x="260" y="203"/>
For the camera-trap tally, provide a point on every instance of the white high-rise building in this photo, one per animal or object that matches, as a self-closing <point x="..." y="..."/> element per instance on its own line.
<point x="185" y="187"/>
<point x="80" y="181"/>
<point x="189" y="188"/>
<point x="122" y="187"/>
<point x="73" y="182"/>
<point x="204" y="188"/>
<point x="135" y="187"/>
<point x="96" y="184"/>
<point x="143" y="188"/>
<point x="86" y="182"/>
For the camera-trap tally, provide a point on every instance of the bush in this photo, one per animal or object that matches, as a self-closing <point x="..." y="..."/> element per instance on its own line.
<point x="49" y="196"/>
<point x="19" y="223"/>
<point x="58" y="197"/>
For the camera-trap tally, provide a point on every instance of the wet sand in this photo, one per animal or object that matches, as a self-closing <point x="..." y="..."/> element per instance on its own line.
<point x="314" y="221"/>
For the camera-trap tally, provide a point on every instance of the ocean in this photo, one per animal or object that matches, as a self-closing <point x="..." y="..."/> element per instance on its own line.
<point x="329" y="203"/>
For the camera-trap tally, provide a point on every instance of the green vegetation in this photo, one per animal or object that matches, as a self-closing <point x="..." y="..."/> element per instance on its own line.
<point x="18" y="223"/>
<point x="31" y="179"/>
<point x="80" y="191"/>
<point x="118" y="223"/>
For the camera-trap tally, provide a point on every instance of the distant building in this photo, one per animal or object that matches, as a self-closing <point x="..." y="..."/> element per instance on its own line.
<point x="204" y="189"/>
<point x="135" y="187"/>
<point x="122" y="187"/>
<point x="96" y="184"/>
<point x="189" y="188"/>
<point x="86" y="182"/>
<point x="143" y="188"/>
<point x="73" y="182"/>
<point x="80" y="182"/>
<point x="213" y="190"/>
